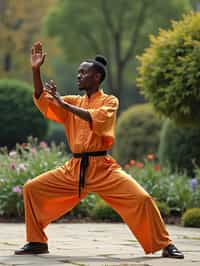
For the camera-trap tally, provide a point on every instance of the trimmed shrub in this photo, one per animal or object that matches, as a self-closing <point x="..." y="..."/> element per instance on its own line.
<point x="56" y="134"/>
<point x="102" y="211"/>
<point x="19" y="117"/>
<point x="179" y="147"/>
<point x="191" y="217"/>
<point x="169" y="71"/>
<point x="137" y="133"/>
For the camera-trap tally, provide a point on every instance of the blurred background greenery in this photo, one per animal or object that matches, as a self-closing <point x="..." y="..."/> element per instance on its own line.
<point x="74" y="30"/>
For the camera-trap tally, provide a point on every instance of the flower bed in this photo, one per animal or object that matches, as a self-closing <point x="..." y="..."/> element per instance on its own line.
<point x="174" y="193"/>
<point x="17" y="166"/>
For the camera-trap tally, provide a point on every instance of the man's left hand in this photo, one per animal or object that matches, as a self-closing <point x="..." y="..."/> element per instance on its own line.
<point x="51" y="88"/>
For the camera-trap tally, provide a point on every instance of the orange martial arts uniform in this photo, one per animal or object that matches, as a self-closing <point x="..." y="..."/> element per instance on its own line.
<point x="55" y="192"/>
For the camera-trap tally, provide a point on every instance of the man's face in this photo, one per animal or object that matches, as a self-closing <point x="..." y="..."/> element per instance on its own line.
<point x="86" y="76"/>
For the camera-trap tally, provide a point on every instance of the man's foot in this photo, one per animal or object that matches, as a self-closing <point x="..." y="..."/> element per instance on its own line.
<point x="171" y="251"/>
<point x="33" y="248"/>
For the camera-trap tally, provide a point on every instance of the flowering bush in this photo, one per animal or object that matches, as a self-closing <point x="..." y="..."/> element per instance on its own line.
<point x="173" y="189"/>
<point x="17" y="166"/>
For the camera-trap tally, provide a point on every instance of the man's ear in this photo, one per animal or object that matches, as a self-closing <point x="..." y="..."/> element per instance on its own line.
<point x="97" y="76"/>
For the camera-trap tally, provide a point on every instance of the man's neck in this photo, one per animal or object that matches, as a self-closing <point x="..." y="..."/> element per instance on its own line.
<point x="89" y="92"/>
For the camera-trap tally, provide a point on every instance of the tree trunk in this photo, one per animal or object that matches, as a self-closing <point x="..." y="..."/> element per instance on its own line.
<point x="119" y="83"/>
<point x="7" y="62"/>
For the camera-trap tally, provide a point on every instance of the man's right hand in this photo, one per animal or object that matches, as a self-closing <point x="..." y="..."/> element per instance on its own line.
<point x="37" y="55"/>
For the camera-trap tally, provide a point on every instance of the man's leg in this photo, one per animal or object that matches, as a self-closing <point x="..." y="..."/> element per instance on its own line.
<point x="46" y="198"/>
<point x="137" y="209"/>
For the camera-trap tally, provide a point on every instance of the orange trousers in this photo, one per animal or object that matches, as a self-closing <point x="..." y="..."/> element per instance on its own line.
<point x="54" y="193"/>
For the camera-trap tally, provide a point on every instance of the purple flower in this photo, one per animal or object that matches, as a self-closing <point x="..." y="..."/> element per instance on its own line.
<point x="17" y="190"/>
<point x="13" y="166"/>
<point x="193" y="184"/>
<point x="33" y="150"/>
<point x="43" y="144"/>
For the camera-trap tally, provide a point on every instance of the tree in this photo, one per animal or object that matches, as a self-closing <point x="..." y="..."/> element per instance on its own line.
<point x="19" y="27"/>
<point x="169" y="71"/>
<point x="117" y="29"/>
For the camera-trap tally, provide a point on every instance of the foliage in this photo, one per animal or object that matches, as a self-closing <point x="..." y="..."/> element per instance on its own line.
<point x="172" y="188"/>
<point x="107" y="30"/>
<point x="169" y="71"/>
<point x="20" y="26"/>
<point x="137" y="133"/>
<point x="56" y="134"/>
<point x="30" y="159"/>
<point x="102" y="211"/>
<point x="191" y="217"/>
<point x="85" y="207"/>
<point x="179" y="147"/>
<point x="27" y="161"/>
<point x="19" y="117"/>
<point x="163" y="208"/>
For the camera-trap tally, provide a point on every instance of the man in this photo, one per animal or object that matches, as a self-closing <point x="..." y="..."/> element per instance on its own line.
<point x="89" y="122"/>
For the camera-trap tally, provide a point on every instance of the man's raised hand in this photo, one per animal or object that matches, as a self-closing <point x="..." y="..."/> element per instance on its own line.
<point x="37" y="55"/>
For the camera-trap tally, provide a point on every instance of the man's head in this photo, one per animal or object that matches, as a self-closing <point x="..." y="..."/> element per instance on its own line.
<point x="91" y="73"/>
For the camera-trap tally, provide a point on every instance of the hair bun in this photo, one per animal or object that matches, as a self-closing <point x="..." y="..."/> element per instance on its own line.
<point x="101" y="59"/>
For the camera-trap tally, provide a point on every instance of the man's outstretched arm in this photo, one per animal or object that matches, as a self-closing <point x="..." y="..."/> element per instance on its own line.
<point x="37" y="59"/>
<point x="81" y="112"/>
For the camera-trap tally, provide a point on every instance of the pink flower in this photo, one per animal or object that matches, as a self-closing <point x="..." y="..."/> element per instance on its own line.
<point x="33" y="150"/>
<point x="132" y="162"/>
<point x="150" y="156"/>
<point x="13" y="166"/>
<point x="139" y="165"/>
<point x="127" y="166"/>
<point x="17" y="190"/>
<point x="157" y="167"/>
<point x="12" y="153"/>
<point x="43" y="144"/>
<point x="22" y="167"/>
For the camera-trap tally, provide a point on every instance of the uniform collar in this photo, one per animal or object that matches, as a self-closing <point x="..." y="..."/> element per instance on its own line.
<point x="95" y="95"/>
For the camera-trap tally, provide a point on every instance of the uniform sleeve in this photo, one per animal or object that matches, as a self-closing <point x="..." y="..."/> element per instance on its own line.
<point x="103" y="118"/>
<point x="51" y="109"/>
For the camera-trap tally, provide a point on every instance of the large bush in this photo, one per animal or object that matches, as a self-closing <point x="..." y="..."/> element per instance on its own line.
<point x="169" y="71"/>
<point x="137" y="133"/>
<point x="19" y="117"/>
<point x="191" y="217"/>
<point x="56" y="134"/>
<point x="179" y="147"/>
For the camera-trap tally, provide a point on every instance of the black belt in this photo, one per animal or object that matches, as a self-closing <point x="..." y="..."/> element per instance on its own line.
<point x="84" y="164"/>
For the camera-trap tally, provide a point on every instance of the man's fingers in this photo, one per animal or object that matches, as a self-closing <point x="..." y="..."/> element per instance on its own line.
<point x="50" y="88"/>
<point x="38" y="47"/>
<point x="53" y="83"/>
<point x="43" y="57"/>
